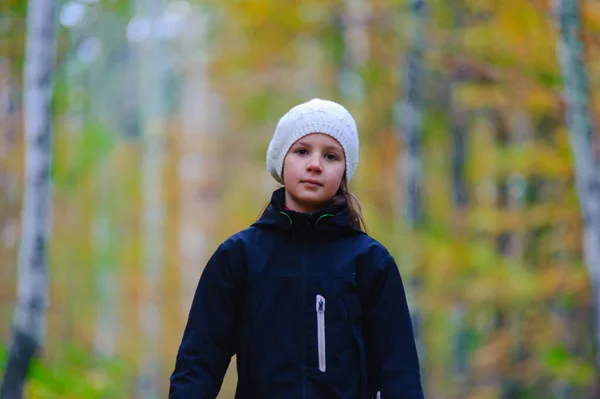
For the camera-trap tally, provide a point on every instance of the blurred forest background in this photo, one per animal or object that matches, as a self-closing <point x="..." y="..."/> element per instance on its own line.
<point x="161" y="115"/>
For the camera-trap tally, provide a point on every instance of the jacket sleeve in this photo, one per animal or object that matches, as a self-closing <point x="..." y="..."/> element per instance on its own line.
<point x="209" y="337"/>
<point x="392" y="361"/>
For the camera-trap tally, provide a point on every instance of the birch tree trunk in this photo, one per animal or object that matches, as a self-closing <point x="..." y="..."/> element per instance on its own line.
<point x="32" y="285"/>
<point x="512" y="243"/>
<point x="152" y="112"/>
<point x="459" y="131"/>
<point x="356" y="44"/>
<point x="196" y="165"/>
<point x="583" y="144"/>
<point x="105" y="332"/>
<point x="199" y="165"/>
<point x="485" y="320"/>
<point x="409" y="115"/>
<point x="307" y="73"/>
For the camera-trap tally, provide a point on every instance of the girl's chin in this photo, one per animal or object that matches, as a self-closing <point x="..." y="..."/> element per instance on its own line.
<point x="312" y="194"/>
<point x="312" y="201"/>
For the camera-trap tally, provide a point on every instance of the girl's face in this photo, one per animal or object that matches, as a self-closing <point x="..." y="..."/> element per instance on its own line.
<point x="312" y="172"/>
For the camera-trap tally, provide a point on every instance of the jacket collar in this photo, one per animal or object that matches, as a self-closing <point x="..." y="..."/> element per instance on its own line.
<point x="331" y="217"/>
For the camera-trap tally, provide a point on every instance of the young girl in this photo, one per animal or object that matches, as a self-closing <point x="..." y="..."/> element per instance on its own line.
<point x="311" y="305"/>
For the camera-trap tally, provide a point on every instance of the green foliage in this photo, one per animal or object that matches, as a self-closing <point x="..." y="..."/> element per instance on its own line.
<point x="73" y="166"/>
<point x="567" y="367"/>
<point x="15" y="7"/>
<point x="485" y="61"/>
<point x="334" y="43"/>
<point x="261" y="107"/>
<point x="550" y="79"/>
<point x="568" y="301"/>
<point x="79" y="374"/>
<point x="556" y="357"/>
<point x="3" y="356"/>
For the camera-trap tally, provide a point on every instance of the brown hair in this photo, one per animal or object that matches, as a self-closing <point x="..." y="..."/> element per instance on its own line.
<point x="343" y="196"/>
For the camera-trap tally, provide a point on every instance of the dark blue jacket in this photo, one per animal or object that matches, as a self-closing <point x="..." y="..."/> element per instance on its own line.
<point x="312" y="307"/>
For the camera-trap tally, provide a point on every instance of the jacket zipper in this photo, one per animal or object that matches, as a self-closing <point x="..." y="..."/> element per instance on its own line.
<point x="304" y="344"/>
<point x="320" y="308"/>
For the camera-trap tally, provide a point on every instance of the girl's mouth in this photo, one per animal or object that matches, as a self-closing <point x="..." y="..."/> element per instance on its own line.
<point x="312" y="182"/>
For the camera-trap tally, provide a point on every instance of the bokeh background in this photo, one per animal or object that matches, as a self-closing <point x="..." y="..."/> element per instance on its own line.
<point x="162" y="112"/>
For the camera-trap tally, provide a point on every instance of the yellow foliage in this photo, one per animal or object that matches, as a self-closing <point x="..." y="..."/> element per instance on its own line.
<point x="507" y="52"/>
<point x="472" y="95"/>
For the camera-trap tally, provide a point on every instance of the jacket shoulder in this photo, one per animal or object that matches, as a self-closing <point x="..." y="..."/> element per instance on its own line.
<point x="239" y="241"/>
<point x="372" y="248"/>
<point x="242" y="237"/>
<point x="231" y="255"/>
<point x="373" y="257"/>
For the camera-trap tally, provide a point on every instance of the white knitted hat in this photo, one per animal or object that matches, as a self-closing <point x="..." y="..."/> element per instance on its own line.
<point x="314" y="116"/>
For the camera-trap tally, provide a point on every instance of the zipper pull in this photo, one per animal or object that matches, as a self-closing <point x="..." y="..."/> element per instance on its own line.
<point x="320" y="304"/>
<point x="321" y="335"/>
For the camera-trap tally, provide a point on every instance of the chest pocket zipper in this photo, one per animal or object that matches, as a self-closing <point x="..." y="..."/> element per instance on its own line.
<point x="320" y="309"/>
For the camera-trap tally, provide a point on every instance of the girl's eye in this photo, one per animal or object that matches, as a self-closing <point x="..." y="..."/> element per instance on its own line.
<point x="301" y="151"/>
<point x="331" y="156"/>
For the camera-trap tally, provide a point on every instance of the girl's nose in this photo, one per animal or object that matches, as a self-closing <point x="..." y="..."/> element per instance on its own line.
<point x="314" y="165"/>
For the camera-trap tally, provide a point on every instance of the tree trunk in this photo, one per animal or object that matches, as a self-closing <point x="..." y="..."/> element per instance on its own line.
<point x="583" y="143"/>
<point x="103" y="230"/>
<point x="511" y="244"/>
<point x="152" y="113"/>
<point x="409" y="115"/>
<point x="32" y="286"/>
<point x="411" y="118"/>
<point x="197" y="167"/>
<point x="354" y="19"/>
<point x="307" y="73"/>
<point x="199" y="164"/>
<point x="459" y="131"/>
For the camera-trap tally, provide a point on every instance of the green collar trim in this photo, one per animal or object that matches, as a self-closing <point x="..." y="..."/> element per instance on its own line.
<point x="321" y="217"/>
<point x="287" y="216"/>
<point x="316" y="223"/>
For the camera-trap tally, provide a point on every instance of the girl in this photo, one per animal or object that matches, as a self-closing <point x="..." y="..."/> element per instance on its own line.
<point x="311" y="305"/>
